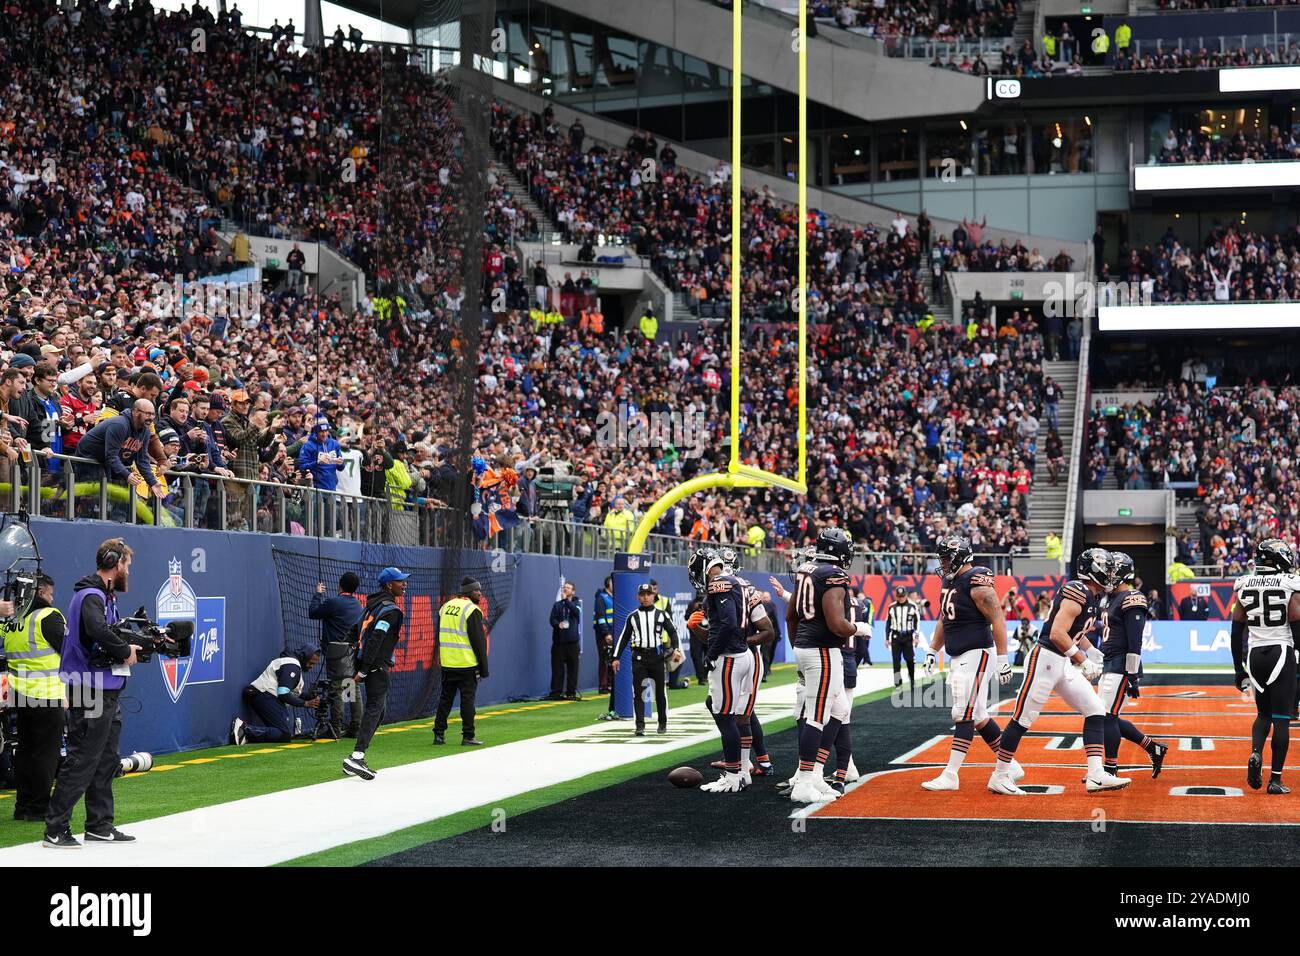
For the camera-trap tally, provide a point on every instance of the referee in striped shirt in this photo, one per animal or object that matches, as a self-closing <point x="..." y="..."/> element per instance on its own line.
<point x="650" y="633"/>
<point x="902" y="626"/>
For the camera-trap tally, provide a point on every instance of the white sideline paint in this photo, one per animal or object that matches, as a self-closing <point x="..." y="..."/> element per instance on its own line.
<point x="270" y="829"/>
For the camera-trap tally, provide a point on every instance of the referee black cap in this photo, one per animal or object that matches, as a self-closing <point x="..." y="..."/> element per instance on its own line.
<point x="645" y="589"/>
<point x="899" y="591"/>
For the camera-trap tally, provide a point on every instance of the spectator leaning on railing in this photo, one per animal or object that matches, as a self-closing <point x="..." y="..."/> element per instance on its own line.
<point x="121" y="445"/>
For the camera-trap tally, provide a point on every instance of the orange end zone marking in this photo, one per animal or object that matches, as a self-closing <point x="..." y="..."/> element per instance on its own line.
<point x="1034" y="751"/>
<point x="883" y="795"/>
<point x="1163" y="699"/>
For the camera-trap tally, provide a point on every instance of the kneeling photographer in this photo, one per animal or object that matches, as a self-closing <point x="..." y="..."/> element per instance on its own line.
<point x="272" y="693"/>
<point x="94" y="662"/>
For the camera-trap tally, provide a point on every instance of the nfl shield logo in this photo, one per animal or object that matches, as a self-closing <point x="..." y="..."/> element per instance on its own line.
<point x="206" y="664"/>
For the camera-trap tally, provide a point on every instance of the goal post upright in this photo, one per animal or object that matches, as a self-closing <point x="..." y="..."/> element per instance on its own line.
<point x="738" y="474"/>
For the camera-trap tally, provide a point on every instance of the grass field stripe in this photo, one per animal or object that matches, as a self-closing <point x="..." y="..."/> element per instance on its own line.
<point x="160" y="792"/>
<point x="364" y="851"/>
<point x="426" y="788"/>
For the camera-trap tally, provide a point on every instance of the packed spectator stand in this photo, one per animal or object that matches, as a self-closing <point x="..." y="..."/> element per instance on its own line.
<point x="1230" y="448"/>
<point x="151" y="163"/>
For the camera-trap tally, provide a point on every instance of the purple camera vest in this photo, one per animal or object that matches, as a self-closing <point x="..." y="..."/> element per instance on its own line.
<point x="74" y="664"/>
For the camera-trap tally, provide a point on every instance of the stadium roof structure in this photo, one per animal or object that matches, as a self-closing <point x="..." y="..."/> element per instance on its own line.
<point x="415" y="13"/>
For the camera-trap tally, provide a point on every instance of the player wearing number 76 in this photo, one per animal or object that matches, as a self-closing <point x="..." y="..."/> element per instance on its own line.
<point x="971" y="627"/>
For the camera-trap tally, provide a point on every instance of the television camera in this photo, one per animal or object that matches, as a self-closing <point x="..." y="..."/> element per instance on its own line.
<point x="172" y="640"/>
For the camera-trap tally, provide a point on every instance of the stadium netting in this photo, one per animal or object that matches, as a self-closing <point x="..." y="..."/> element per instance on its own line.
<point x="435" y="577"/>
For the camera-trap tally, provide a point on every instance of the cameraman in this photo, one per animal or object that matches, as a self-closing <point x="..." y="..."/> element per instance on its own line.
<point x="271" y="695"/>
<point x="94" y="720"/>
<point x="339" y="617"/>
<point x="379" y="637"/>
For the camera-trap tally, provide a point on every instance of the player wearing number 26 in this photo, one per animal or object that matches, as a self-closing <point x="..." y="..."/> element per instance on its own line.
<point x="1266" y="608"/>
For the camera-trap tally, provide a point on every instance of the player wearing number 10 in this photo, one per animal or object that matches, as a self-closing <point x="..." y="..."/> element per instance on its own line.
<point x="1267" y="605"/>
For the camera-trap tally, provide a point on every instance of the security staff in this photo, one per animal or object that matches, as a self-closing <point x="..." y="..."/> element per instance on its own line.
<point x="602" y="619"/>
<point x="339" y="617"/>
<point x="902" y="626"/>
<point x="463" y="658"/>
<point x="381" y="630"/>
<point x="271" y="694"/>
<point x="32" y="647"/>
<point x="94" y="720"/>
<point x="650" y="633"/>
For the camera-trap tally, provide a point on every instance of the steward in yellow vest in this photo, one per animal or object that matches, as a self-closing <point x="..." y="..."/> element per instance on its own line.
<point x="462" y="653"/>
<point x="33" y="648"/>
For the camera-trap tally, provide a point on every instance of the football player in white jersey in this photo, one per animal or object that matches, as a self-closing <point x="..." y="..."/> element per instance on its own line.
<point x="1266" y="612"/>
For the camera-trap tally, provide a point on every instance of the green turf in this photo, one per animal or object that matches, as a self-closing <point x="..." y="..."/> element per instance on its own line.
<point x="363" y="851"/>
<point x="233" y="773"/>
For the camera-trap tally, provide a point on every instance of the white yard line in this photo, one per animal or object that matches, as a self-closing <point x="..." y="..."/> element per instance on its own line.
<point x="261" y="831"/>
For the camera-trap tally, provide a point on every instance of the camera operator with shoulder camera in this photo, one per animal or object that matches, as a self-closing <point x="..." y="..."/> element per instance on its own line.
<point x="94" y="719"/>
<point x="272" y="693"/>
<point x="339" y="617"/>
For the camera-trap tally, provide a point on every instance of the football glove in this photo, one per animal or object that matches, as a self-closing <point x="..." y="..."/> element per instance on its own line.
<point x="1091" y="670"/>
<point x="696" y="620"/>
<point x="862" y="629"/>
<point x="1131" y="663"/>
<point x="1132" y="687"/>
<point x="931" y="664"/>
<point x="1004" y="670"/>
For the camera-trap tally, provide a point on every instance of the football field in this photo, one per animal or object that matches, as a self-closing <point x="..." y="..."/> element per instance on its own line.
<point x="558" y="787"/>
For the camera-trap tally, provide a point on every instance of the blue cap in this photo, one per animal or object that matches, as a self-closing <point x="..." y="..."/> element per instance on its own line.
<point x="389" y="575"/>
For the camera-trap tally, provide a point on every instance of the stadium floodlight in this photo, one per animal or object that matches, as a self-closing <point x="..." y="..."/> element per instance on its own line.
<point x="1199" y="317"/>
<point x="1157" y="178"/>
<point x="738" y="474"/>
<point x="1259" y="79"/>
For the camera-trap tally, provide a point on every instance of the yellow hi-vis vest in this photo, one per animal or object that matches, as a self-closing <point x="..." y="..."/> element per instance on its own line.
<point x="454" y="649"/>
<point x="33" y="663"/>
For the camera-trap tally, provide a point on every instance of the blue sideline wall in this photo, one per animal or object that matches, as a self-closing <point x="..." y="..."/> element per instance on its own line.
<point x="232" y="577"/>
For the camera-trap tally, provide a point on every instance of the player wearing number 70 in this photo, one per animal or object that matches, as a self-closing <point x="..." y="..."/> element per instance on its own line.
<point x="971" y="626"/>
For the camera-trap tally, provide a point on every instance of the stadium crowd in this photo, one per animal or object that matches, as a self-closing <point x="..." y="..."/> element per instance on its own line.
<point x="1231" y="448"/>
<point x="1193" y="146"/>
<point x="146" y="163"/>
<point x="1234" y="264"/>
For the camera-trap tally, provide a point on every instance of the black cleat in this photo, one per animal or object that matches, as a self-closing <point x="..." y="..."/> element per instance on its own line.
<point x="663" y="728"/>
<point x="356" y="767"/>
<point x="470" y="742"/>
<point x="439" y="739"/>
<point x="1158" y="751"/>
<point x="61" y="841"/>
<point x="111" y="835"/>
<point x="1276" y="787"/>
<point x="1255" y="771"/>
<point x="837" y="785"/>
<point x="640" y="731"/>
